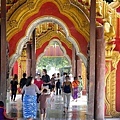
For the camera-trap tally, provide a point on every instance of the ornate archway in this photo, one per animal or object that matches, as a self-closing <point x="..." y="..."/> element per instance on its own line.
<point x="61" y="47"/>
<point x="19" y="29"/>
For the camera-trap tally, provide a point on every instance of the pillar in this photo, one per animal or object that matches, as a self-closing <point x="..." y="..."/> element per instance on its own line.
<point x="79" y="65"/>
<point x="73" y="61"/>
<point x="100" y="74"/>
<point x="3" y="63"/>
<point x="33" y="55"/>
<point x="28" y="60"/>
<point x="91" y="77"/>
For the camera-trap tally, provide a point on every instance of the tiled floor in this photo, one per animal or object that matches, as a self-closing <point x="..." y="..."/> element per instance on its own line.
<point x="76" y="111"/>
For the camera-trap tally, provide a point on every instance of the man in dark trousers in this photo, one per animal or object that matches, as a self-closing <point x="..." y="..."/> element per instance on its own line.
<point x="23" y="82"/>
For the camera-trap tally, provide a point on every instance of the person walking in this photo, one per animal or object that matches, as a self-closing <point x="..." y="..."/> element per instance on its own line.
<point x="67" y="89"/>
<point x="58" y="87"/>
<point x="23" y="82"/>
<point x="39" y="84"/>
<point x="80" y="86"/>
<point x="46" y="79"/>
<point x="75" y="85"/>
<point x="29" y="99"/>
<point x="14" y="84"/>
<point x="43" y="103"/>
<point x="52" y="83"/>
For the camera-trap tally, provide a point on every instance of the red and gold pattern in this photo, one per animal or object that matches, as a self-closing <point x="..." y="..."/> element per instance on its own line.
<point x="74" y="14"/>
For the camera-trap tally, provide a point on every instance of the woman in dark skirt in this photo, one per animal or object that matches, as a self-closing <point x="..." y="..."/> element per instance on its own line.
<point x="29" y="99"/>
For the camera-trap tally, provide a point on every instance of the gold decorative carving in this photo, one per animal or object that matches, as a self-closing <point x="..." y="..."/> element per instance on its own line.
<point x="99" y="7"/>
<point x="84" y="76"/>
<point x="107" y="86"/>
<point x="30" y="4"/>
<point x="13" y="23"/>
<point x="115" y="4"/>
<point x="84" y="24"/>
<point x="49" y="35"/>
<point x="115" y="59"/>
<point x="24" y="54"/>
<point x="86" y="2"/>
<point x="109" y="49"/>
<point x="75" y="14"/>
<point x="10" y="1"/>
<point x="22" y="64"/>
<point x="67" y="6"/>
<point x="110" y="98"/>
<point x="109" y="30"/>
<point x="13" y="8"/>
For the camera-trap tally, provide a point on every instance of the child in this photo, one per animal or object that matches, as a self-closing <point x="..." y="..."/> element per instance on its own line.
<point x="50" y="101"/>
<point x="43" y="103"/>
<point x="3" y="115"/>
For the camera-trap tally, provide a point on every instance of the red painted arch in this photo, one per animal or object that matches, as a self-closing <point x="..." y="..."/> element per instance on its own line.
<point x="48" y="9"/>
<point x="41" y="49"/>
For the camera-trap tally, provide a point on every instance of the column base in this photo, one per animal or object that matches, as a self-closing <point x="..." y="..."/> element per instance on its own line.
<point x="84" y="92"/>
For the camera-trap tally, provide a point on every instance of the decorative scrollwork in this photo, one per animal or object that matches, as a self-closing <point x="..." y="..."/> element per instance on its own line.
<point x="13" y="23"/>
<point x="30" y="5"/>
<point x="99" y="8"/>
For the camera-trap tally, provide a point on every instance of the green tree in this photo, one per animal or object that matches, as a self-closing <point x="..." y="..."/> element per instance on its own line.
<point x="48" y="62"/>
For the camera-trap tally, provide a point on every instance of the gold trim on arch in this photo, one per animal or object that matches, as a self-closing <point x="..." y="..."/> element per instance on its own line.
<point x="48" y="36"/>
<point x="18" y="18"/>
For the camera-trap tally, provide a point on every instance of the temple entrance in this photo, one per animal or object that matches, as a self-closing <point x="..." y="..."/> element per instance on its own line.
<point x="55" y="51"/>
<point x="77" y="26"/>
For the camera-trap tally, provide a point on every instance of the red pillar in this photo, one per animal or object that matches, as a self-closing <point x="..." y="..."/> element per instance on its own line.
<point x="3" y="56"/>
<point x="33" y="55"/>
<point x="73" y="61"/>
<point x="91" y="75"/>
<point x="100" y="74"/>
<point x="79" y="65"/>
<point x="28" y="61"/>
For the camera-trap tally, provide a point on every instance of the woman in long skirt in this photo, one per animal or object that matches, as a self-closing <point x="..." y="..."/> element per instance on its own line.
<point x="75" y="85"/>
<point x="29" y="99"/>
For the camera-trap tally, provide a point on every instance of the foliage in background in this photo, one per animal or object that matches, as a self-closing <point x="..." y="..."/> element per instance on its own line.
<point x="48" y="62"/>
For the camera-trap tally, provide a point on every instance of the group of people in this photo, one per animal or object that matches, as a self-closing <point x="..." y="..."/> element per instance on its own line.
<point x="37" y="90"/>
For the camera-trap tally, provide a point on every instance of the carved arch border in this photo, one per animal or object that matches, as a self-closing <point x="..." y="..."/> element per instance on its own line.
<point x="54" y="35"/>
<point x="61" y="47"/>
<point x="17" y="18"/>
<point x="29" y="32"/>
